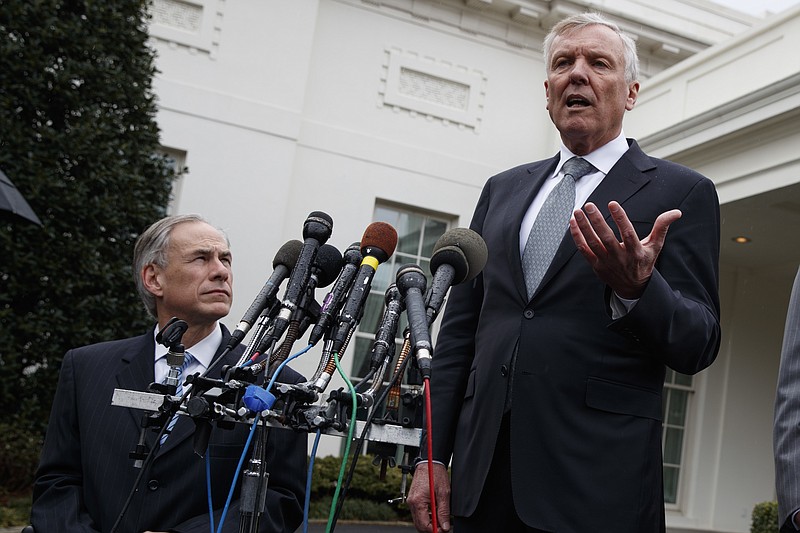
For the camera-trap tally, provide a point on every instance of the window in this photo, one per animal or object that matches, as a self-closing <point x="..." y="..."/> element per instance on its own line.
<point x="177" y="161"/>
<point x="417" y="233"/>
<point x="677" y="393"/>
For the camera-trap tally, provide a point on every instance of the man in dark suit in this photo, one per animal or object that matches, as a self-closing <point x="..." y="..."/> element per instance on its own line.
<point x="182" y="269"/>
<point x="546" y="395"/>
<point x="786" y="431"/>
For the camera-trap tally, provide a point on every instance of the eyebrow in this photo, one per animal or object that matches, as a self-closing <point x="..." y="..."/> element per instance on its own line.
<point x="210" y="251"/>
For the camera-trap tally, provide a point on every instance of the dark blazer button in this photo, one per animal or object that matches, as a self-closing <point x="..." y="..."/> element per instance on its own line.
<point x="504" y="370"/>
<point x="152" y="484"/>
<point x="528" y="314"/>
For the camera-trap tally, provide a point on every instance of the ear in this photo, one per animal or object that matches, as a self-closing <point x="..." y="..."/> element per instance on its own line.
<point x="151" y="278"/>
<point x="633" y="93"/>
<point x="547" y="94"/>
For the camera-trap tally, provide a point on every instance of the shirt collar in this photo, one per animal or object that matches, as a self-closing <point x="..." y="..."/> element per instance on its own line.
<point x="603" y="159"/>
<point x="203" y="351"/>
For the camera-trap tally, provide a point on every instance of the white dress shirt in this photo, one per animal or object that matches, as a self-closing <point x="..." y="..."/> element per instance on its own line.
<point x="202" y="351"/>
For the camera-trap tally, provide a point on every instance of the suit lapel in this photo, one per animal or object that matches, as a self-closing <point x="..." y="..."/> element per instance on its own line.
<point x="521" y="196"/>
<point x="138" y="369"/>
<point x="623" y="181"/>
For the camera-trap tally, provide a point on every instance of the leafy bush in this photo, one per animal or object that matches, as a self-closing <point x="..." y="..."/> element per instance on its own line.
<point x="368" y="496"/>
<point x="15" y="510"/>
<point x="765" y="518"/>
<point x="19" y="455"/>
<point x="79" y="140"/>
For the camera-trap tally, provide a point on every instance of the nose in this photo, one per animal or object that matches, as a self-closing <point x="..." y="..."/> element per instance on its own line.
<point x="220" y="269"/>
<point x="580" y="72"/>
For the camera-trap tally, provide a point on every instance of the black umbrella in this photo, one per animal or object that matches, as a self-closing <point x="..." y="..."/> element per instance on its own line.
<point x="13" y="204"/>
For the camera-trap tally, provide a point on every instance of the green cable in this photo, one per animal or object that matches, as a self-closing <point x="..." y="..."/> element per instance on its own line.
<point x="347" y="446"/>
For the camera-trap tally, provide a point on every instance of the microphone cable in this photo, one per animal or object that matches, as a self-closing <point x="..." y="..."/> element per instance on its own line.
<point x="208" y="492"/>
<point x="145" y="466"/>
<point x="350" y="431"/>
<point x="429" y="428"/>
<point x="236" y="474"/>
<point x="363" y="437"/>
<point x="307" y="502"/>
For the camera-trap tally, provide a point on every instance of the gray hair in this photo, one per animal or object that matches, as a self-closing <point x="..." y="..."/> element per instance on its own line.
<point x="151" y="249"/>
<point x="582" y="20"/>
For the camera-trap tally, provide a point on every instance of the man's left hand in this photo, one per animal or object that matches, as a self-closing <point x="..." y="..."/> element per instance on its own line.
<point x="624" y="266"/>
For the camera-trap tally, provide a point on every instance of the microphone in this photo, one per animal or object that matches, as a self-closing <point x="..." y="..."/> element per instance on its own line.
<point x="335" y="298"/>
<point x="283" y="263"/>
<point x="317" y="230"/>
<point x="326" y="266"/>
<point x="411" y="283"/>
<point x="458" y="256"/>
<point x="377" y="245"/>
<point x="387" y="330"/>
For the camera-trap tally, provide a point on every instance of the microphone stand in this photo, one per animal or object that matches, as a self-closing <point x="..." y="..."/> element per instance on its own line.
<point x="253" y="496"/>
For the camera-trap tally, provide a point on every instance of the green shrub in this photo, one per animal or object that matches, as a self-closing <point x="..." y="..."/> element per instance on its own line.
<point x="765" y="518"/>
<point x="19" y="456"/>
<point x="368" y="495"/>
<point x="15" y="511"/>
<point x="80" y="142"/>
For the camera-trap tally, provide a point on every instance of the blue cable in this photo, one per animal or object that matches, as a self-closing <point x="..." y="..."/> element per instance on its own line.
<point x="307" y="502"/>
<point x="280" y="366"/>
<point x="208" y="490"/>
<point x="250" y="438"/>
<point x="236" y="474"/>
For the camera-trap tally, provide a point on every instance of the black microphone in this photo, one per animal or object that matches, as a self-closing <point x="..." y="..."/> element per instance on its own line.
<point x="326" y="266"/>
<point x="335" y="298"/>
<point x="283" y="263"/>
<point x="383" y="346"/>
<point x="458" y="256"/>
<point x="377" y="245"/>
<point x="411" y="283"/>
<point x="317" y="230"/>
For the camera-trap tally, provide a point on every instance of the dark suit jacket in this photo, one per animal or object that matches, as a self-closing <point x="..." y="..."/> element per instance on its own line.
<point x="787" y="416"/>
<point x="85" y="474"/>
<point x="586" y="408"/>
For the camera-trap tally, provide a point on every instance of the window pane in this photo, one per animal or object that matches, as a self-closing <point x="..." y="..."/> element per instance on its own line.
<point x="388" y="215"/>
<point x="361" y="355"/>
<point x="433" y="230"/>
<point x="373" y="313"/>
<point x="409" y="235"/>
<point x="677" y="407"/>
<point x="675" y="410"/>
<point x="670" y="484"/>
<point x="673" y="442"/>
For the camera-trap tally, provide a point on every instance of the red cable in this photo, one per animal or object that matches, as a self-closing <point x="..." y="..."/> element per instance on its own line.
<point x="429" y="429"/>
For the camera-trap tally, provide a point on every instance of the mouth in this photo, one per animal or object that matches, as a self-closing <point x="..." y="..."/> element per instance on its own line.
<point x="577" y="102"/>
<point x="219" y="292"/>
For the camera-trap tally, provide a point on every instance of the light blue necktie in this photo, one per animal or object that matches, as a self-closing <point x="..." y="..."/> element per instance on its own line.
<point x="551" y="223"/>
<point x="187" y="360"/>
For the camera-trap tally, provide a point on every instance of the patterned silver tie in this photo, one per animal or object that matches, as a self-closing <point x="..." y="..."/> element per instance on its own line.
<point x="188" y="359"/>
<point x="551" y="222"/>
